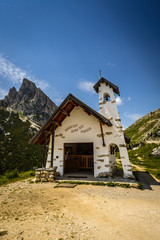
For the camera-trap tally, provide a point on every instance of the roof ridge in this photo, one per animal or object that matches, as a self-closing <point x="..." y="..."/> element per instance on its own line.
<point x="107" y="82"/>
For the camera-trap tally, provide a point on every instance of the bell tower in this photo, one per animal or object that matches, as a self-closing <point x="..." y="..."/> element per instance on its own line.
<point x="107" y="101"/>
<point x="108" y="108"/>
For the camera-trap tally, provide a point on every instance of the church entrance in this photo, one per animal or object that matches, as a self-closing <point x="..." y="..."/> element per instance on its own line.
<point x="78" y="157"/>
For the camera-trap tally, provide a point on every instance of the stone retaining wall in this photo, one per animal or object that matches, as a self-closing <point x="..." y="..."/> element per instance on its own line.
<point x="45" y="174"/>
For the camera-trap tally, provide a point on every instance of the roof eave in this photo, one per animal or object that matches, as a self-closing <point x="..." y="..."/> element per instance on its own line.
<point x="103" y="80"/>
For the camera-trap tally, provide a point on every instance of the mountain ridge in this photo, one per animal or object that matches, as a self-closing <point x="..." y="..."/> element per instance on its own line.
<point x="145" y="128"/>
<point x="15" y="150"/>
<point x="31" y="101"/>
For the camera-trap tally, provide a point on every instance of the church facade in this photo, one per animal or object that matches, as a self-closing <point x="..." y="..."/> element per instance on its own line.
<point x="81" y="139"/>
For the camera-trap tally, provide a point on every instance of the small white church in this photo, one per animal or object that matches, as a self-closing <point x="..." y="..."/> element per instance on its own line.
<point x="81" y="139"/>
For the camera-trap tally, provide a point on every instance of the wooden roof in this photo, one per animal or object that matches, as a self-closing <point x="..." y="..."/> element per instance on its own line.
<point x="61" y="113"/>
<point x="103" y="80"/>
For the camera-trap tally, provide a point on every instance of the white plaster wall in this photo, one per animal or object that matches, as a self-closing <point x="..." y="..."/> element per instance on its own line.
<point x="82" y="122"/>
<point x="79" y="118"/>
<point x="109" y="110"/>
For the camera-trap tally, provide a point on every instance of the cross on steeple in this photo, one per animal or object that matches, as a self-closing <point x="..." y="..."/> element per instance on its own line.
<point x="100" y="72"/>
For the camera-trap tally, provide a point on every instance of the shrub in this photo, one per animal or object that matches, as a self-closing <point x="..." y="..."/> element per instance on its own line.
<point x="32" y="173"/>
<point x="12" y="174"/>
<point x="3" y="181"/>
<point x="140" y="186"/>
<point x="111" y="184"/>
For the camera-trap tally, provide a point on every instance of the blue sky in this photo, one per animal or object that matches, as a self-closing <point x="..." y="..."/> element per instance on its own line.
<point x="62" y="44"/>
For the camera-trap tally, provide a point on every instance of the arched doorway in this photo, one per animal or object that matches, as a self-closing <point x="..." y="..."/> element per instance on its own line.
<point x="115" y="160"/>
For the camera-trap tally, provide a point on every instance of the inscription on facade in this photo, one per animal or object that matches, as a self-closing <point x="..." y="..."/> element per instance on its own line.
<point x="71" y="126"/>
<point x="86" y="130"/>
<point x="75" y="128"/>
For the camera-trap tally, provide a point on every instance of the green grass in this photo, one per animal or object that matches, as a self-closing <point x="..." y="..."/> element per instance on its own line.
<point x="109" y="184"/>
<point x="14" y="176"/>
<point x="142" y="127"/>
<point x="140" y="186"/>
<point x="149" y="161"/>
<point x="21" y="115"/>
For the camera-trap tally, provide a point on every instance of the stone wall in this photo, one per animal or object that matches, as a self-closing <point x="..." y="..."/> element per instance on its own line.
<point x="45" y="174"/>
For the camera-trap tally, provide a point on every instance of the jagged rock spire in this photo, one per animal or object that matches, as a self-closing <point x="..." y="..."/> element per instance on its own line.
<point x="31" y="101"/>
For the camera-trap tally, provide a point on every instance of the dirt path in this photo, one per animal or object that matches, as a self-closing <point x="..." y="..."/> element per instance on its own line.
<point x="40" y="211"/>
<point x="153" y="141"/>
<point x="138" y="167"/>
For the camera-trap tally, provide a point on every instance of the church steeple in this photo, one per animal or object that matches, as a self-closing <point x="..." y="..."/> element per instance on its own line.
<point x="107" y="101"/>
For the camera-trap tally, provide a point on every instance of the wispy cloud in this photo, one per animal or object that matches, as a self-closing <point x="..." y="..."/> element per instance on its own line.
<point x="133" y="116"/>
<point x="3" y="93"/>
<point x="129" y="98"/>
<point x="109" y="64"/>
<point x="86" y="86"/>
<point x="119" y="101"/>
<point x="42" y="84"/>
<point x="58" y="98"/>
<point x="9" y="71"/>
<point x="124" y="127"/>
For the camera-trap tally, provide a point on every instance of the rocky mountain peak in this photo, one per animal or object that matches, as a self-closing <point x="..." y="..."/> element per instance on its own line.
<point x="12" y="91"/>
<point x="10" y="98"/>
<point x="31" y="101"/>
<point x="28" y="85"/>
<point x="27" y="90"/>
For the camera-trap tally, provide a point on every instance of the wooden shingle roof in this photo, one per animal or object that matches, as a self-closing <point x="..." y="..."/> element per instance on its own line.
<point x="103" y="80"/>
<point x="61" y="113"/>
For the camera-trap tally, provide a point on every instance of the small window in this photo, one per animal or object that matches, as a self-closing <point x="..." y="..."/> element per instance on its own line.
<point x="107" y="97"/>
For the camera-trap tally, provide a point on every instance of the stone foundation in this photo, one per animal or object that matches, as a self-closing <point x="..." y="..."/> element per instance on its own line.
<point x="45" y="174"/>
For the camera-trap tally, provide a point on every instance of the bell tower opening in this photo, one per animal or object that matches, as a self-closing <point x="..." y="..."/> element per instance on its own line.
<point x="106" y="97"/>
<point x="107" y="101"/>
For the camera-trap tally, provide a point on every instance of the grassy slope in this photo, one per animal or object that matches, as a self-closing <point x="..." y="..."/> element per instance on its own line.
<point x="147" y="127"/>
<point x="143" y="157"/>
<point x="13" y="176"/>
<point x="15" y="151"/>
<point x="144" y="129"/>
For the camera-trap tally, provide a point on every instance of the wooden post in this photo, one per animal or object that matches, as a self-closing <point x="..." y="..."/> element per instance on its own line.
<point x="44" y="149"/>
<point x="102" y="134"/>
<point x="52" y="147"/>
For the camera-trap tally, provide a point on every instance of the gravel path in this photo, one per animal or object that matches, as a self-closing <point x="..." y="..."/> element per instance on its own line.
<point x="40" y="211"/>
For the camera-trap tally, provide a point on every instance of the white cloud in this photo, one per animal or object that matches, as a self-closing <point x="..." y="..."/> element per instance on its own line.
<point x="133" y="116"/>
<point x="56" y="96"/>
<point x="3" y="93"/>
<point x="9" y="71"/>
<point x="119" y="101"/>
<point x="124" y="127"/>
<point x="58" y="100"/>
<point x="109" y="64"/>
<point x="86" y="86"/>
<point x="129" y="98"/>
<point x="41" y="83"/>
